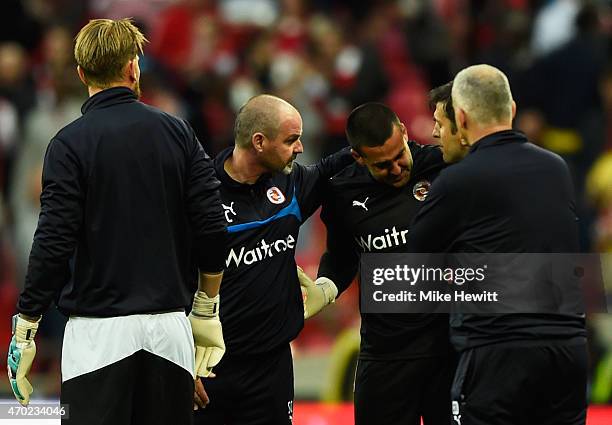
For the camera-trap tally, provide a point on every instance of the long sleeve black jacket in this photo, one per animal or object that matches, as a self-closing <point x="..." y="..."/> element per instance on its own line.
<point x="128" y="204"/>
<point x="365" y="216"/>
<point x="506" y="196"/>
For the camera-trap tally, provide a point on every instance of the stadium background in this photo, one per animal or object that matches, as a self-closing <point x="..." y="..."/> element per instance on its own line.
<point x="206" y="57"/>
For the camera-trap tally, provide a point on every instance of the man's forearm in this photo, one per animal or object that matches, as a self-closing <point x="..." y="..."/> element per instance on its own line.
<point x="211" y="261"/>
<point x="341" y="269"/>
<point x="210" y="283"/>
<point x="44" y="280"/>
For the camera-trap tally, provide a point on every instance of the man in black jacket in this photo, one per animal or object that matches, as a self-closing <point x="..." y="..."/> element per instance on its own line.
<point x="506" y="196"/>
<point x="129" y="206"/>
<point x="266" y="197"/>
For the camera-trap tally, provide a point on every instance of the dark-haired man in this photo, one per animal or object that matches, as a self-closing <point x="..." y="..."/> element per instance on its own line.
<point x="405" y="361"/>
<point x="454" y="147"/>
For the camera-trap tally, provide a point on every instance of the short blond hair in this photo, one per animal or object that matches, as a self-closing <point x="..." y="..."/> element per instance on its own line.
<point x="103" y="48"/>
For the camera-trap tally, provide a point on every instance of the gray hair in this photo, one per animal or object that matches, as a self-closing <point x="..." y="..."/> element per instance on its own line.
<point x="260" y="114"/>
<point x="483" y="92"/>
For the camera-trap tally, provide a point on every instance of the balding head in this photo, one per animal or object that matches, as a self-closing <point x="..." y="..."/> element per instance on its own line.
<point x="260" y="114"/>
<point x="483" y="93"/>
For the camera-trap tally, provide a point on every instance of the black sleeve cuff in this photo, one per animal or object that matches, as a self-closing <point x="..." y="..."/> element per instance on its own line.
<point x="341" y="271"/>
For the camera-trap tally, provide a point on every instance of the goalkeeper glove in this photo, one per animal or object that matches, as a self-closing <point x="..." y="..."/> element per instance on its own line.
<point x="316" y="294"/>
<point x="20" y="356"/>
<point x="207" y="333"/>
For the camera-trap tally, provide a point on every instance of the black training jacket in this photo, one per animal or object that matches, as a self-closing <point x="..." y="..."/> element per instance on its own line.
<point x="365" y="216"/>
<point x="127" y="193"/>
<point x="506" y="196"/>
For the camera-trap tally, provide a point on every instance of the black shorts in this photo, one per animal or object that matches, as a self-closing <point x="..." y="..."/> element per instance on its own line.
<point x="250" y="390"/>
<point x="403" y="391"/>
<point x="527" y="385"/>
<point x="140" y="389"/>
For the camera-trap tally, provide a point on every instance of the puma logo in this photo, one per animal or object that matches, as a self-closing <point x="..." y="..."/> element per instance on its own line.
<point x="361" y="204"/>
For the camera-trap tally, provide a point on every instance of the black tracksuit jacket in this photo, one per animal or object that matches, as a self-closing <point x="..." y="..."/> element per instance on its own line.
<point x="365" y="216"/>
<point x="506" y="196"/>
<point x="129" y="208"/>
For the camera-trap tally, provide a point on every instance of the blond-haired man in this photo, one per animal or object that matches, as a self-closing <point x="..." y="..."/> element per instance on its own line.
<point x="129" y="202"/>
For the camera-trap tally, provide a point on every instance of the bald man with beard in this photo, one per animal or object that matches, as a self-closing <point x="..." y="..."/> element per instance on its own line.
<point x="266" y="197"/>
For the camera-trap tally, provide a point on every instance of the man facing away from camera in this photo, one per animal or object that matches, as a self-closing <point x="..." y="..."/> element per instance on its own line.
<point x="129" y="204"/>
<point x="506" y="196"/>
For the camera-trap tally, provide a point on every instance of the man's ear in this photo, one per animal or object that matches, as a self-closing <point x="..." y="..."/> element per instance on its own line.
<point x="81" y="75"/>
<point x="257" y="140"/>
<point x="403" y="129"/>
<point x="358" y="158"/>
<point x="461" y="119"/>
<point x="513" y="110"/>
<point x="131" y="71"/>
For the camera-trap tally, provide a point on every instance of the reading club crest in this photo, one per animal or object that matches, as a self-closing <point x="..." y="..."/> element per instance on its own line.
<point x="420" y="190"/>
<point x="275" y="195"/>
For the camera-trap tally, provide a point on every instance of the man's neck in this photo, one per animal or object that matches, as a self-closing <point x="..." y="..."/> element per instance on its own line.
<point x="96" y="90"/>
<point x="479" y="133"/>
<point x="243" y="167"/>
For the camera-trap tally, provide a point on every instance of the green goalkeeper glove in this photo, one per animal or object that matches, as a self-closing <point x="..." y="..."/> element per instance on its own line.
<point x="207" y="333"/>
<point x="317" y="294"/>
<point x="20" y="357"/>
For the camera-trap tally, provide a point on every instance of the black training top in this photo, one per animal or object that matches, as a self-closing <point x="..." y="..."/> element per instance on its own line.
<point x="362" y="216"/>
<point x="127" y="193"/>
<point x="260" y="300"/>
<point x="506" y="196"/>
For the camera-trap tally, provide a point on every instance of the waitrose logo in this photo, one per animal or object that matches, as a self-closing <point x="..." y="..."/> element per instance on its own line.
<point x="260" y="252"/>
<point x="388" y="239"/>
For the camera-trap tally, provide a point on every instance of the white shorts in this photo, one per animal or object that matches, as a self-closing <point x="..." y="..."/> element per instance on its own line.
<point x="93" y="343"/>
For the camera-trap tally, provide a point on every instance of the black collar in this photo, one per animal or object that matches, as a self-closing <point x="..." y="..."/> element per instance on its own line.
<point x="219" y="164"/>
<point x="499" y="138"/>
<point x="109" y="97"/>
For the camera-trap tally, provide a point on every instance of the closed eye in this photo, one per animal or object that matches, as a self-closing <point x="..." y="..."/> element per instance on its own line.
<point x="386" y="164"/>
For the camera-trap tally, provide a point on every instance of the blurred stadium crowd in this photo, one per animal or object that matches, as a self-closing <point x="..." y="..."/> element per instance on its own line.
<point x="206" y="58"/>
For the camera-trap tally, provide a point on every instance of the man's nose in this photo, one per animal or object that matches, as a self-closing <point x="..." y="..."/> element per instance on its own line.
<point x="299" y="148"/>
<point x="396" y="168"/>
